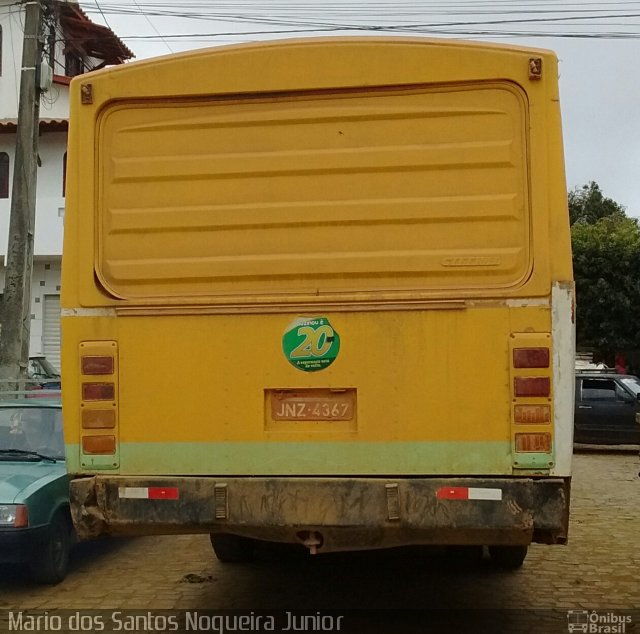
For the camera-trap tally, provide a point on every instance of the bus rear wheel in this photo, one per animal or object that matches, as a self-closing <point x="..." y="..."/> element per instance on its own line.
<point x="508" y="557"/>
<point x="232" y="548"/>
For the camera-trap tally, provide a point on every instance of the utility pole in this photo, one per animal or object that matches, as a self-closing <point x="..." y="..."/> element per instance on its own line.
<point x="15" y="316"/>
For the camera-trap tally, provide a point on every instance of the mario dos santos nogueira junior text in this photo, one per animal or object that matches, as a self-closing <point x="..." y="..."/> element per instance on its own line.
<point x="123" y="621"/>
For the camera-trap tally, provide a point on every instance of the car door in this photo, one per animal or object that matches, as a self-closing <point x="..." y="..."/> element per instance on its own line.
<point x="605" y="411"/>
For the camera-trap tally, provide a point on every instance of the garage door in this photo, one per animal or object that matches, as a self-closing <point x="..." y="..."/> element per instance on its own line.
<point x="51" y="329"/>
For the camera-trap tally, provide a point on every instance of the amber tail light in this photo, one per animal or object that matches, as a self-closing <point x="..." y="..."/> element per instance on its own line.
<point x="99" y="444"/>
<point x="532" y="414"/>
<point x="98" y="419"/>
<point x="539" y="443"/>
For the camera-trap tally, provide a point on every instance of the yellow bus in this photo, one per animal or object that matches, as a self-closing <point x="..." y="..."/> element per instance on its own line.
<point x="320" y="292"/>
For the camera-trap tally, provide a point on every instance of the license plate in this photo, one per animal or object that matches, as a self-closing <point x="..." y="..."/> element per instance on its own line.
<point x="313" y="404"/>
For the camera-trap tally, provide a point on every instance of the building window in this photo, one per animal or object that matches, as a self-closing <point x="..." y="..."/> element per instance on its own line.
<point x="64" y="174"/>
<point x="4" y="175"/>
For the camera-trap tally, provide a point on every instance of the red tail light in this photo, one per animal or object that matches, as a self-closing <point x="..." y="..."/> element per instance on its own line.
<point x="531" y="357"/>
<point x="97" y="365"/>
<point x="98" y="391"/>
<point x="532" y="386"/>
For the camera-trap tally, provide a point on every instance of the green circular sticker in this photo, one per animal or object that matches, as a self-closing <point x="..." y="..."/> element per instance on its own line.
<point x="311" y="344"/>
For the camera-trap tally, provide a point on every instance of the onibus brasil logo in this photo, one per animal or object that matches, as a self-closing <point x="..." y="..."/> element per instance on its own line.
<point x="310" y="344"/>
<point x="592" y="622"/>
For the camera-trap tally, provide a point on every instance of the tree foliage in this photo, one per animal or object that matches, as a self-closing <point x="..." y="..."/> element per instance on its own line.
<point x="587" y="204"/>
<point x="606" y="262"/>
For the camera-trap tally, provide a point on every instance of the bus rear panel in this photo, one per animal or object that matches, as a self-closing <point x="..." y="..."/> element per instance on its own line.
<point x="320" y="292"/>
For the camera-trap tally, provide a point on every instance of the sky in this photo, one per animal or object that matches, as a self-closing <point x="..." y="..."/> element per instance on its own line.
<point x="597" y="43"/>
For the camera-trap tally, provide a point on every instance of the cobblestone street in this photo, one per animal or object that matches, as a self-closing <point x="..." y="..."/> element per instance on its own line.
<point x="597" y="570"/>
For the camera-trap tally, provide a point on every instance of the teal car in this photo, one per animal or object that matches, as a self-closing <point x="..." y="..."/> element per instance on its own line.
<point x="35" y="522"/>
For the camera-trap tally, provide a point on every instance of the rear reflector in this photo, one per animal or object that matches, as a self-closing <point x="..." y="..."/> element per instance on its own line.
<point x="97" y="365"/>
<point x="532" y="386"/>
<point x="539" y="443"/>
<point x="149" y="493"/>
<point x="529" y="414"/>
<point x="98" y="419"/>
<point x="163" y="493"/>
<point x="99" y="445"/>
<point x="468" y="493"/>
<point x="531" y="357"/>
<point x="98" y="391"/>
<point x="453" y="493"/>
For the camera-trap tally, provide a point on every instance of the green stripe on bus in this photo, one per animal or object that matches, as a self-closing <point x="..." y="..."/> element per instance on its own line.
<point x="310" y="458"/>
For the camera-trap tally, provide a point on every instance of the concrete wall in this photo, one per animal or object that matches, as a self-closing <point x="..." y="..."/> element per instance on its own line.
<point x="52" y="146"/>
<point x="49" y="201"/>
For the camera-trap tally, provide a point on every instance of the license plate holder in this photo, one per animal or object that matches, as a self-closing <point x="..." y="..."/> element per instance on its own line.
<point x="313" y="405"/>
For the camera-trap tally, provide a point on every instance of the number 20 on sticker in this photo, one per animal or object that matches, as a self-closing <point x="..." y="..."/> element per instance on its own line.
<point x="316" y="343"/>
<point x="311" y="344"/>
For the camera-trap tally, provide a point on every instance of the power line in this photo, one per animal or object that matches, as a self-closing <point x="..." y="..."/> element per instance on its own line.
<point x="152" y="25"/>
<point x="295" y="14"/>
<point x="616" y="20"/>
<point x="102" y="14"/>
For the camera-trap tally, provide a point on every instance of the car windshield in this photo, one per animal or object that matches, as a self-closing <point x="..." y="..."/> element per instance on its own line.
<point x="41" y="368"/>
<point x="34" y="429"/>
<point x="632" y="383"/>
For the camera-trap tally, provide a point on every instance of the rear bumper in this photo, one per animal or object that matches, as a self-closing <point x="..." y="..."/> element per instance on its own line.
<point x="349" y="513"/>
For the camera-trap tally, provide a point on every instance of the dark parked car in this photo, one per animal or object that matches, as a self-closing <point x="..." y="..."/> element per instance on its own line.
<point x="35" y="523"/>
<point x="607" y="408"/>
<point x="42" y="374"/>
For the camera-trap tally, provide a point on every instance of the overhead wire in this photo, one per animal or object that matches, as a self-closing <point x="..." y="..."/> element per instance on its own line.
<point x="471" y="17"/>
<point x="102" y="13"/>
<point x="151" y="24"/>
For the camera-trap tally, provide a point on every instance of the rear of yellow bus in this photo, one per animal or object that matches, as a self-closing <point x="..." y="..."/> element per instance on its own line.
<point x="320" y="292"/>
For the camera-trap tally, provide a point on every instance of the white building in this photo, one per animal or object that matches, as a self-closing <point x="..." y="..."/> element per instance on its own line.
<point x="78" y="46"/>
